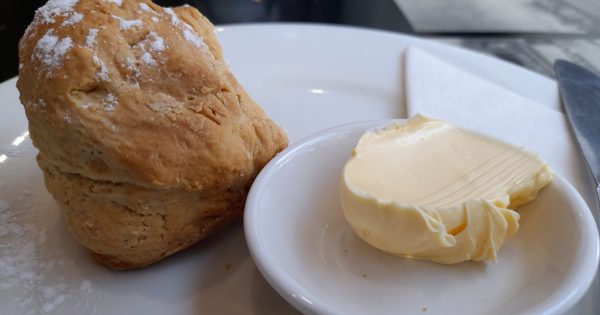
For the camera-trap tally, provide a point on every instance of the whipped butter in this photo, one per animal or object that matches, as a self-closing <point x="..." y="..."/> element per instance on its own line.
<point x="425" y="189"/>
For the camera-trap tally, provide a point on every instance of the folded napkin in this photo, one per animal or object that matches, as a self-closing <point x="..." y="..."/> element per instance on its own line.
<point x="440" y="90"/>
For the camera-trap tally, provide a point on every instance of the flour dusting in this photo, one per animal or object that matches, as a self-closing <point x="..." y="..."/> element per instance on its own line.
<point x="50" y="49"/>
<point x="145" y="7"/>
<point x="103" y="72"/>
<point x="153" y="43"/>
<point x="130" y="64"/>
<point x="21" y="267"/>
<point x="117" y="2"/>
<point x="127" y="24"/>
<point x="55" y="8"/>
<point x="174" y="18"/>
<point x="68" y="118"/>
<point x="193" y="38"/>
<point x="188" y="32"/>
<point x="85" y="286"/>
<point x="110" y="102"/>
<point x="157" y="44"/>
<point x="89" y="43"/>
<point x="91" y="37"/>
<point x="148" y="59"/>
<point x="73" y="19"/>
<point x="52" y="297"/>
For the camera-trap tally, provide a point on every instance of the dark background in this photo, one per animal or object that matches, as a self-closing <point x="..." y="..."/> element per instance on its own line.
<point x="381" y="14"/>
<point x="510" y="30"/>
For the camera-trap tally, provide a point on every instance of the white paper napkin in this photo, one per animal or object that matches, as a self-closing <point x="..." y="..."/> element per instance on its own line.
<point x="440" y="90"/>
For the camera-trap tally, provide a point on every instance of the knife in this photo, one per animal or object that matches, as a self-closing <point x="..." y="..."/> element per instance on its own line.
<point x="580" y="93"/>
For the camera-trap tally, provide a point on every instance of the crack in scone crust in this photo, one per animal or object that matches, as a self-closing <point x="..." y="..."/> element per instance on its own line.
<point x="152" y="223"/>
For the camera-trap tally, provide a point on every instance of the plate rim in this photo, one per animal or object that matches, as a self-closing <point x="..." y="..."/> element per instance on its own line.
<point x="441" y="49"/>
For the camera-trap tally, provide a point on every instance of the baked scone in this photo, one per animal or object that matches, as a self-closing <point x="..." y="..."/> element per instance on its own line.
<point x="145" y="138"/>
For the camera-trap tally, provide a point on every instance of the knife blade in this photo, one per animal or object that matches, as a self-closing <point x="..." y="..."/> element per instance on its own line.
<point x="580" y="93"/>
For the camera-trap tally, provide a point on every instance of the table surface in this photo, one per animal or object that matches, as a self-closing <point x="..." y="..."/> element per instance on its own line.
<point x="531" y="33"/>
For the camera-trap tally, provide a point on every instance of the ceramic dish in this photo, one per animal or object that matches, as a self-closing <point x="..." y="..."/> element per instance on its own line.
<point x="307" y="78"/>
<point x="301" y="242"/>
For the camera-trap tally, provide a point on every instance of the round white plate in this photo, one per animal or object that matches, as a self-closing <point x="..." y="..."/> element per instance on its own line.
<point x="307" y="77"/>
<point x="299" y="239"/>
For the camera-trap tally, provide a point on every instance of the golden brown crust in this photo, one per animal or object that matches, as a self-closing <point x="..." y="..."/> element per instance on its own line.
<point x="140" y="125"/>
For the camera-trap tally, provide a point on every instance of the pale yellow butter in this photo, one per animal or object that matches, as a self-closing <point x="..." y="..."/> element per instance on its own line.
<point x="428" y="190"/>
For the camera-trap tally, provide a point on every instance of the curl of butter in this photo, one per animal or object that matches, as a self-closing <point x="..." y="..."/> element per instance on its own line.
<point x="425" y="189"/>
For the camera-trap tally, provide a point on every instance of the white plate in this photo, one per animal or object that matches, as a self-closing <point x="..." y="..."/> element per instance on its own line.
<point x="307" y="78"/>
<point x="299" y="239"/>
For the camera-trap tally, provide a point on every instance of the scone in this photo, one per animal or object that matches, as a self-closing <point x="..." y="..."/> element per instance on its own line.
<point x="145" y="138"/>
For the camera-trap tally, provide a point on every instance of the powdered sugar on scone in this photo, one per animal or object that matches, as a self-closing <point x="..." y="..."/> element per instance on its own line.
<point x="51" y="49"/>
<point x="55" y="8"/>
<point x="73" y="19"/>
<point x="145" y="7"/>
<point x="91" y="37"/>
<point x="117" y="2"/>
<point x="187" y="31"/>
<point x="157" y="42"/>
<point x="127" y="24"/>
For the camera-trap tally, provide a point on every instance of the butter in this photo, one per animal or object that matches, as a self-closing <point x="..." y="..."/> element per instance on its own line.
<point x="425" y="189"/>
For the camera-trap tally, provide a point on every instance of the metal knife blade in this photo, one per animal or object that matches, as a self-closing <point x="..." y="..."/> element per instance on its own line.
<point x="580" y="93"/>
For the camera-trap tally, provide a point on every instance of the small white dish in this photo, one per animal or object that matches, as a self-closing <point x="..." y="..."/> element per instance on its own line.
<point x="303" y="246"/>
